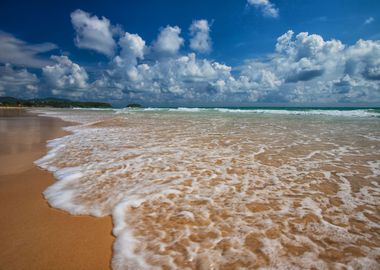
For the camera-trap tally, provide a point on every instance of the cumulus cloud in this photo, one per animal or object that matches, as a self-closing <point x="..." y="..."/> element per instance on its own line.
<point x="132" y="49"/>
<point x="132" y="46"/>
<point x="307" y="68"/>
<point x="169" y="40"/>
<point x="306" y="57"/>
<point x="303" y="68"/>
<point x="266" y="7"/>
<point x="20" y="53"/>
<point x="66" y="77"/>
<point x="363" y="59"/>
<point x="174" y="76"/>
<point x="179" y="75"/>
<point x="200" y="36"/>
<point x="17" y="82"/>
<point x="302" y="58"/>
<point x="93" y="33"/>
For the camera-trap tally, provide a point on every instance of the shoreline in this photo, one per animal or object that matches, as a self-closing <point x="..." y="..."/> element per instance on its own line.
<point x="33" y="234"/>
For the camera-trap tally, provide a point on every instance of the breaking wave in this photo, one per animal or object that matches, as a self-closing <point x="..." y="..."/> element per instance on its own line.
<point x="285" y="111"/>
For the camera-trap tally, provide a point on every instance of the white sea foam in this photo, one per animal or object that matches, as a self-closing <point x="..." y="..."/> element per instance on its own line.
<point x="288" y="111"/>
<point x="212" y="192"/>
<point x="186" y="109"/>
<point x="347" y="113"/>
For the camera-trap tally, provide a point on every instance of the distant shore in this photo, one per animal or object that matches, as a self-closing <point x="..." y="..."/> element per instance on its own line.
<point x="51" y="102"/>
<point x="33" y="235"/>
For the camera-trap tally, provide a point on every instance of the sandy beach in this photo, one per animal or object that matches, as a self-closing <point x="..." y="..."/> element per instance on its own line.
<point x="32" y="234"/>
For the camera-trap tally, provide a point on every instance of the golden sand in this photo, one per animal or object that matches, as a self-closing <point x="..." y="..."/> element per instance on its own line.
<point x="33" y="235"/>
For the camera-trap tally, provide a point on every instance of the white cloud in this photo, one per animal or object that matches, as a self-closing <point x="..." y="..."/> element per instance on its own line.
<point x="369" y="20"/>
<point x="17" y="82"/>
<point x="307" y="68"/>
<point x="305" y="57"/>
<point x="300" y="59"/>
<point x="18" y="52"/>
<point x="66" y="77"/>
<point x="303" y="68"/>
<point x="132" y="46"/>
<point x="169" y="40"/>
<point x="200" y="36"/>
<point x="363" y="60"/>
<point x="266" y="7"/>
<point x="175" y="75"/>
<point x="93" y="33"/>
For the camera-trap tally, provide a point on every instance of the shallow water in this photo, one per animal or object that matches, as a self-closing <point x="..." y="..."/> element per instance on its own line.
<point x="207" y="189"/>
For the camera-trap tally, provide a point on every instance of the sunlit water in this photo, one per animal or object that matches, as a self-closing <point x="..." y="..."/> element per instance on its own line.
<point x="214" y="189"/>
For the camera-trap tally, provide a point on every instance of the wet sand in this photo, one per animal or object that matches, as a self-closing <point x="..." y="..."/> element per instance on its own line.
<point x="32" y="234"/>
<point x="216" y="190"/>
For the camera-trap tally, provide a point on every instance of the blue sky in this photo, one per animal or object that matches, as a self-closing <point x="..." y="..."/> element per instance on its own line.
<point x="192" y="53"/>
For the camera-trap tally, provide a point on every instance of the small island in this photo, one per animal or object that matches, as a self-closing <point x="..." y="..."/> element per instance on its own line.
<point x="51" y="102"/>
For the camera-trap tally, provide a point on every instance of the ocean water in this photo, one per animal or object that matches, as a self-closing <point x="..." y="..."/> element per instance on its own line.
<point x="194" y="188"/>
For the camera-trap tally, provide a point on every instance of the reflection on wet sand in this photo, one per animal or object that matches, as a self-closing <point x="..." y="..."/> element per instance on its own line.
<point x="34" y="236"/>
<point x="23" y="138"/>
